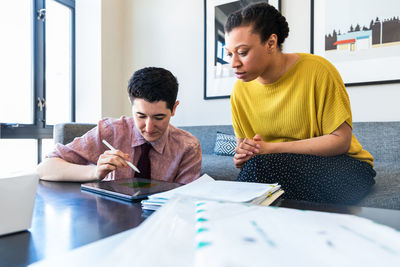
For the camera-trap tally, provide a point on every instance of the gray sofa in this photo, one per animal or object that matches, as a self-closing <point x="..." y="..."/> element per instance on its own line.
<point x="381" y="139"/>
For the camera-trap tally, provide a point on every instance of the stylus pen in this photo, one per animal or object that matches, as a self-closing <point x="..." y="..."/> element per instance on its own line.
<point x="127" y="162"/>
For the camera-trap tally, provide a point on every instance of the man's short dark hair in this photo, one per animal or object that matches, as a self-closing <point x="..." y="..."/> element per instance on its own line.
<point x="153" y="84"/>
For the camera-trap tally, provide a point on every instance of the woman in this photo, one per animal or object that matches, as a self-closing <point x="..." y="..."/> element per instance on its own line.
<point x="291" y="115"/>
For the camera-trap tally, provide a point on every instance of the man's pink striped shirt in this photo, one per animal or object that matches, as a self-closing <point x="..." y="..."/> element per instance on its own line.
<point x="175" y="157"/>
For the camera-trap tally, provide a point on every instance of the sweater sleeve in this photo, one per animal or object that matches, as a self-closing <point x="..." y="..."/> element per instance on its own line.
<point x="332" y="101"/>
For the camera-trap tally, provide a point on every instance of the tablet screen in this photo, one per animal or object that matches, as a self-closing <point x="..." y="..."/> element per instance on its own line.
<point x="129" y="189"/>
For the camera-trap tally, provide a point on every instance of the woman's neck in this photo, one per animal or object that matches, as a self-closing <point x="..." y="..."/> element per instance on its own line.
<point x="280" y="64"/>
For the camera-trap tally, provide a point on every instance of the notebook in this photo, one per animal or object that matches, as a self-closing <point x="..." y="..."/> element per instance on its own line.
<point x="129" y="189"/>
<point x="17" y="198"/>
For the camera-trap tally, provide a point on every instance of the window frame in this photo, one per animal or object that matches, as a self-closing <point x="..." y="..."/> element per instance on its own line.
<point x="39" y="129"/>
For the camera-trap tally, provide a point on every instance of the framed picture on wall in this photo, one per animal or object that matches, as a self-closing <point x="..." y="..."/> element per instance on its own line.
<point x="219" y="77"/>
<point x="362" y="39"/>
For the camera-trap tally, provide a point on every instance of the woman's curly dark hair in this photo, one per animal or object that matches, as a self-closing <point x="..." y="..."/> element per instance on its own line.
<point x="264" y="18"/>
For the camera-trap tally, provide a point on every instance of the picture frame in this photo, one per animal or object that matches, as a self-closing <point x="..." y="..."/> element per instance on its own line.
<point x="219" y="77"/>
<point x="363" y="42"/>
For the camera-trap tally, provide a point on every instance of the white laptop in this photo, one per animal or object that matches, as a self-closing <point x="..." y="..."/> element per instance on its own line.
<point x="17" y="198"/>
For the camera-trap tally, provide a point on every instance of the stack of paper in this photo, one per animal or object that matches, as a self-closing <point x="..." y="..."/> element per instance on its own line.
<point x="207" y="188"/>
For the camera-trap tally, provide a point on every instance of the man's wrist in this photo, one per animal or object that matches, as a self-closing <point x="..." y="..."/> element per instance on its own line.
<point x="93" y="172"/>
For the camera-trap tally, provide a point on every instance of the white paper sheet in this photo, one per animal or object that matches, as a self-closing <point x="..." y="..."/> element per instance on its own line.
<point x="232" y="234"/>
<point x="166" y="238"/>
<point x="207" y="187"/>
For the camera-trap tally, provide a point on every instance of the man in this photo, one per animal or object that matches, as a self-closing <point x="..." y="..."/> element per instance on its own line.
<point x="172" y="154"/>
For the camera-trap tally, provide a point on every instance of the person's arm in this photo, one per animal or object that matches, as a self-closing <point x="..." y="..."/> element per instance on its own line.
<point x="57" y="169"/>
<point x="190" y="165"/>
<point x="336" y="143"/>
<point x="333" y="144"/>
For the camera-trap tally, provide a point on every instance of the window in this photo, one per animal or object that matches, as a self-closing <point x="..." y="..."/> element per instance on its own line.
<point x="16" y="53"/>
<point x="37" y="89"/>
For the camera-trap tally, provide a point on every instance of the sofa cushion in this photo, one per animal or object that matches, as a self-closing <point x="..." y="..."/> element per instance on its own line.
<point x="219" y="167"/>
<point x="207" y="135"/>
<point x="225" y="144"/>
<point x="381" y="139"/>
<point x="385" y="192"/>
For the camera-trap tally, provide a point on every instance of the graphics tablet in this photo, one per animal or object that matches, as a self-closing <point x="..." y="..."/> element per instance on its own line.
<point x="129" y="189"/>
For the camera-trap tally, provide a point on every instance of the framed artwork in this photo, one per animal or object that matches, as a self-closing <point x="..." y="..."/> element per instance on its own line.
<point x="360" y="38"/>
<point x="219" y="77"/>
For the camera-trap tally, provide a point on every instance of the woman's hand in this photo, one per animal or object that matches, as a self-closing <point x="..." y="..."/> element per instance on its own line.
<point x="109" y="161"/>
<point x="264" y="147"/>
<point x="245" y="149"/>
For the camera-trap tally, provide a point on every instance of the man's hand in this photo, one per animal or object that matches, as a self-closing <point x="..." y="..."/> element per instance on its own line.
<point x="245" y="149"/>
<point x="109" y="161"/>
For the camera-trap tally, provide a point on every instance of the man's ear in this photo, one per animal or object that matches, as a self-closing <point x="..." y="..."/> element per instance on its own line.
<point x="174" y="108"/>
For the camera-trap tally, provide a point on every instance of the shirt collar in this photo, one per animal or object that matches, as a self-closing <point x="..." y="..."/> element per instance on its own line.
<point x="138" y="140"/>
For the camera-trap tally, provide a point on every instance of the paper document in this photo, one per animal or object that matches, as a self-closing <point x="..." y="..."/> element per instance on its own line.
<point x="208" y="188"/>
<point x="233" y="234"/>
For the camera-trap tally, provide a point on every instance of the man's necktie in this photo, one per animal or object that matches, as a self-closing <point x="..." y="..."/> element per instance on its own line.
<point x="144" y="162"/>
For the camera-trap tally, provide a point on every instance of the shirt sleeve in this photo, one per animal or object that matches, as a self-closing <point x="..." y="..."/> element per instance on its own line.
<point x="190" y="166"/>
<point x="83" y="150"/>
<point x="333" y="104"/>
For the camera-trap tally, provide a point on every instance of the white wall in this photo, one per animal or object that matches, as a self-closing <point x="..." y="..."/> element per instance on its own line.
<point x="88" y="60"/>
<point x="170" y="34"/>
<point x="114" y="80"/>
<point x="102" y="58"/>
<point x="375" y="103"/>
